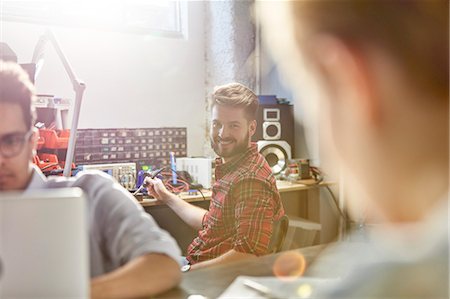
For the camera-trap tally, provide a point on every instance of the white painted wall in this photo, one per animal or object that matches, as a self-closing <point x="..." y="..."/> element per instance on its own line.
<point x="230" y="43"/>
<point x="272" y="83"/>
<point x="132" y="80"/>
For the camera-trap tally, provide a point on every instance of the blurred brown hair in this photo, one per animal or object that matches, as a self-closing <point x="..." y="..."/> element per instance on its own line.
<point x="414" y="32"/>
<point x="16" y="88"/>
<point x="236" y="95"/>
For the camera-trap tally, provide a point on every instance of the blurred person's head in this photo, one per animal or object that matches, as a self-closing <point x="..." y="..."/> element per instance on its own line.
<point x="17" y="136"/>
<point x="373" y="76"/>
<point x="233" y="119"/>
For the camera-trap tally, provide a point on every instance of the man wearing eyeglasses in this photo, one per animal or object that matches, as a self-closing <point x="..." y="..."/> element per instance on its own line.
<point x="130" y="256"/>
<point x="17" y="138"/>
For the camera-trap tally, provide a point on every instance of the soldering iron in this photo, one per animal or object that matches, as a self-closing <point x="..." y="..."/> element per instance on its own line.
<point x="152" y="174"/>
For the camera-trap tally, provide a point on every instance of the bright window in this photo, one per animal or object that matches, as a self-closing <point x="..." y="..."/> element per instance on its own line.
<point x="162" y="18"/>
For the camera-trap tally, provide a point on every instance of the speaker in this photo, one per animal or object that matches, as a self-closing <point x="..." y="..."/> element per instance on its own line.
<point x="271" y="126"/>
<point x="275" y="134"/>
<point x="275" y="122"/>
<point x="276" y="152"/>
<point x="271" y="130"/>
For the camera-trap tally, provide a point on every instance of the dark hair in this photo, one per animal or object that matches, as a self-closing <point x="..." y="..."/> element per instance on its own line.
<point x="16" y="88"/>
<point x="415" y="32"/>
<point x="236" y="95"/>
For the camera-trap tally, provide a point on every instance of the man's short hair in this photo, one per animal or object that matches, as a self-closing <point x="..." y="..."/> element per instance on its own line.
<point x="16" y="88"/>
<point x="236" y="95"/>
<point x="414" y="32"/>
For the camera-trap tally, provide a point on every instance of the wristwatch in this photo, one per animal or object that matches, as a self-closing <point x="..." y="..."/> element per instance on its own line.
<point x="185" y="268"/>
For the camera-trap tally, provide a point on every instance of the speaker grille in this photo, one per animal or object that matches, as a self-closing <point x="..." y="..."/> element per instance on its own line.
<point x="276" y="156"/>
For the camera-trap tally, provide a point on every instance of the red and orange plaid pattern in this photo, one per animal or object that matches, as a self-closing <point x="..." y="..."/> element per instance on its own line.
<point x="245" y="203"/>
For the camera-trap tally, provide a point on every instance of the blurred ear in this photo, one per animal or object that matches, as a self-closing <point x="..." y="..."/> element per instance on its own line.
<point x="252" y="127"/>
<point x="347" y="76"/>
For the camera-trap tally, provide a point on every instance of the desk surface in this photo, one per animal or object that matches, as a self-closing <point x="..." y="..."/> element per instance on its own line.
<point x="211" y="282"/>
<point x="283" y="186"/>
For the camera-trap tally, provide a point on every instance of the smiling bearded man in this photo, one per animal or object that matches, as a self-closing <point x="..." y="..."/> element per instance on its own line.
<point x="245" y="201"/>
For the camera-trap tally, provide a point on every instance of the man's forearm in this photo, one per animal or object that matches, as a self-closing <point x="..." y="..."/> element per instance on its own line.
<point x="190" y="214"/>
<point x="227" y="257"/>
<point x="144" y="276"/>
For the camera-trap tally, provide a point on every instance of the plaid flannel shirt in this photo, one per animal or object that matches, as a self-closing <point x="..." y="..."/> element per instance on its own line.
<point x="245" y="202"/>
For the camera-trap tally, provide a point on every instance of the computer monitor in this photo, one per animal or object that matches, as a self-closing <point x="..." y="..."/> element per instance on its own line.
<point x="44" y="244"/>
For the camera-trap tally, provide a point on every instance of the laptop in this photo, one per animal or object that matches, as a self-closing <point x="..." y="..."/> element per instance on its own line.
<point x="44" y="244"/>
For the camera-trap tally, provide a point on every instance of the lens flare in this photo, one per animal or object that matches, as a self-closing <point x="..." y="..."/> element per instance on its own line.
<point x="289" y="265"/>
<point x="304" y="290"/>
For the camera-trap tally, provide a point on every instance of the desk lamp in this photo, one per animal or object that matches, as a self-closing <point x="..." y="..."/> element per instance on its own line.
<point x="78" y="87"/>
<point x="6" y="53"/>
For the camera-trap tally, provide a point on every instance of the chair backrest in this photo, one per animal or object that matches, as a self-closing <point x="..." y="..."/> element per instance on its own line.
<point x="280" y="228"/>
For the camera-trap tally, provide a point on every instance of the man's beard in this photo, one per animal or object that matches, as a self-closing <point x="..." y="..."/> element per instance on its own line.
<point x="238" y="148"/>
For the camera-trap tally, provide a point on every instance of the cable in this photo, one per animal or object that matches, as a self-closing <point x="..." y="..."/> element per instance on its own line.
<point x="343" y="215"/>
<point x="201" y="193"/>
<point x="182" y="185"/>
<point x="317" y="174"/>
<point x="319" y="177"/>
<point x="182" y="182"/>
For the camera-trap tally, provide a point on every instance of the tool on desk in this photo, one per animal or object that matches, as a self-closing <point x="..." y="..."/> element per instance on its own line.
<point x="141" y="175"/>
<point x="173" y="166"/>
<point x="152" y="175"/>
<point x="184" y="180"/>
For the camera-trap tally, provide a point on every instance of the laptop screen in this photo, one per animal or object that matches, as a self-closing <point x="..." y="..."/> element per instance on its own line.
<point x="44" y="244"/>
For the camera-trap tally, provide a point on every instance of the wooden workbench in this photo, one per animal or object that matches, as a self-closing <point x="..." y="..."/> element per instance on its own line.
<point x="283" y="186"/>
<point x="299" y="200"/>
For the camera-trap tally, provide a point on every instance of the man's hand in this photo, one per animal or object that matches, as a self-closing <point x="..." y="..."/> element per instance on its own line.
<point x="190" y="214"/>
<point x="143" y="276"/>
<point x="156" y="188"/>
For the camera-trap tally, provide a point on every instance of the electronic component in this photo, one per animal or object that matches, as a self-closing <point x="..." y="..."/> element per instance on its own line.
<point x="124" y="173"/>
<point x="152" y="175"/>
<point x="200" y="169"/>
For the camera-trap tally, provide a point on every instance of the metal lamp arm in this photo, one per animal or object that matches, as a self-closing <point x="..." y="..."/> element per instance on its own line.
<point x="78" y="87"/>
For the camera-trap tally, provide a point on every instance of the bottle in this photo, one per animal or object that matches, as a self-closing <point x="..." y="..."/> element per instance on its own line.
<point x="141" y="175"/>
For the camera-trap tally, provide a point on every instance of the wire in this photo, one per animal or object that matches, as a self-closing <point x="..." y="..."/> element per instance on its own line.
<point x="182" y="182"/>
<point x="317" y="174"/>
<point x="201" y="193"/>
<point x="343" y="215"/>
<point x="319" y="177"/>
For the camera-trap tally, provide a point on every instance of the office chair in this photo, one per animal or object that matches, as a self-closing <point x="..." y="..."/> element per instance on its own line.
<point x="280" y="228"/>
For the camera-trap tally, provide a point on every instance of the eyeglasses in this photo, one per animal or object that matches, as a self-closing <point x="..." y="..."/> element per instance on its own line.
<point x="12" y="144"/>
